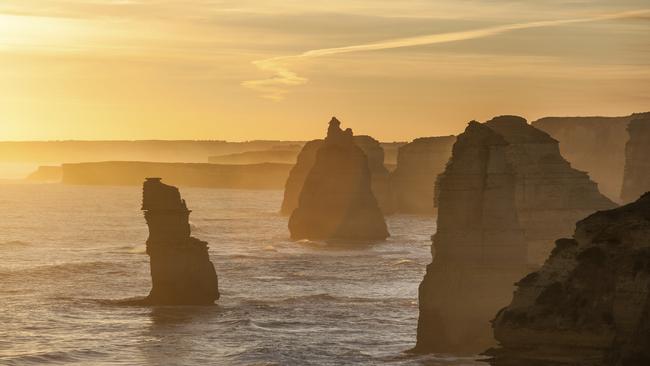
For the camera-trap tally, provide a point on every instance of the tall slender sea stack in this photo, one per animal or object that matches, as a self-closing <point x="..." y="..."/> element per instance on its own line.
<point x="181" y="271"/>
<point x="636" y="179"/>
<point x="479" y="246"/>
<point x="336" y="201"/>
<point x="418" y="165"/>
<point x="589" y="304"/>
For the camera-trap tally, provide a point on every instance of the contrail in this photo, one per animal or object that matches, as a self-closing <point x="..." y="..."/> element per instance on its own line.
<point x="274" y="87"/>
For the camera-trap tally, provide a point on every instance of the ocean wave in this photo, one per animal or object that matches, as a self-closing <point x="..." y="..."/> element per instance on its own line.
<point x="66" y="269"/>
<point x="53" y="357"/>
<point x="14" y="243"/>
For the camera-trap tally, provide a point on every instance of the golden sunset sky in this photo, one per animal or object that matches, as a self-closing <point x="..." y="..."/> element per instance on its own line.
<point x="279" y="69"/>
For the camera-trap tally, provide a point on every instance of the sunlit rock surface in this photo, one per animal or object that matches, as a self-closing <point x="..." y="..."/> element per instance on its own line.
<point x="380" y="177"/>
<point x="595" y="145"/>
<point x="336" y="200"/>
<point x="503" y="199"/>
<point x="181" y="271"/>
<point x="418" y="165"/>
<point x="636" y="179"/>
<point x="590" y="302"/>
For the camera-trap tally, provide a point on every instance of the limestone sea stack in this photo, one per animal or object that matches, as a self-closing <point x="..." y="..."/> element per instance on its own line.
<point x="636" y="179"/>
<point x="181" y="271"/>
<point x="590" y="302"/>
<point x="380" y="177"/>
<point x="336" y="201"/>
<point x="418" y="165"/>
<point x="478" y="248"/>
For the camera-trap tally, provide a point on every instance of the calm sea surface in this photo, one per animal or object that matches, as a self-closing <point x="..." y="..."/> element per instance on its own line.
<point x="68" y="253"/>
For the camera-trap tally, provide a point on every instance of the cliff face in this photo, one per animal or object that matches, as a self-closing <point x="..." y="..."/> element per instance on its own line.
<point x="550" y="195"/>
<point x="336" y="200"/>
<point x="279" y="154"/>
<point x="380" y="177"/>
<point x="479" y="246"/>
<point x="181" y="271"/>
<point x="504" y="194"/>
<point x="418" y="165"/>
<point x="593" y="144"/>
<point x="636" y="179"/>
<point x="589" y="304"/>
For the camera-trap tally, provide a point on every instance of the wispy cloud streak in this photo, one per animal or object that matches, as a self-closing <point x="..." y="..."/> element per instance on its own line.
<point x="275" y="87"/>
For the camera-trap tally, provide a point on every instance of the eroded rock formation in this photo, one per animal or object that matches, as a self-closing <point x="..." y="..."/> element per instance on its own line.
<point x="504" y="194"/>
<point x="380" y="177"/>
<point x="181" y="271"/>
<point x="418" y="165"/>
<point x="636" y="179"/>
<point x="590" y="302"/>
<point x="595" y="145"/>
<point x="336" y="200"/>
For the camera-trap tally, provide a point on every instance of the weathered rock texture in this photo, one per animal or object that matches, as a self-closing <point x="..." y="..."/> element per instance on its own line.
<point x="504" y="193"/>
<point x="636" y="179"/>
<point x="418" y="165"/>
<point x="479" y="246"/>
<point x="336" y="200"/>
<point x="380" y="177"/>
<point x="181" y="271"/>
<point x="550" y="196"/>
<point x="593" y="144"/>
<point x="590" y="302"/>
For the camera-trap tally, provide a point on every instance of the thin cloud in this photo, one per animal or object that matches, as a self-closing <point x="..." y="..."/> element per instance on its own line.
<point x="275" y="87"/>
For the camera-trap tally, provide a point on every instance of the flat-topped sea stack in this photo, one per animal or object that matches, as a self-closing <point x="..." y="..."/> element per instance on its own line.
<point x="550" y="195"/>
<point x="478" y="248"/>
<point x="418" y="165"/>
<point x="504" y="194"/>
<point x="380" y="177"/>
<point x="589" y="305"/>
<point x="595" y="145"/>
<point x="636" y="179"/>
<point x="336" y="200"/>
<point x="181" y="271"/>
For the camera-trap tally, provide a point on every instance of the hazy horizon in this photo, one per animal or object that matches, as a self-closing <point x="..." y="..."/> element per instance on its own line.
<point x="277" y="70"/>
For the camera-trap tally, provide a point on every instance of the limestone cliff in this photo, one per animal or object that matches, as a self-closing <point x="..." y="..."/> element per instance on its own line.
<point x="181" y="271"/>
<point x="595" y="145"/>
<point x="380" y="177"/>
<point x="418" y="165"/>
<point x="336" y="200"/>
<point x="590" y="302"/>
<point x="636" y="179"/>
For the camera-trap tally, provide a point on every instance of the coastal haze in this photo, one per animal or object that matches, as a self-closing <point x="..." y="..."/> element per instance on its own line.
<point x="366" y="182"/>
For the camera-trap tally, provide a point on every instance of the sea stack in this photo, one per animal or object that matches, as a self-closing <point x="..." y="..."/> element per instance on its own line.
<point x="503" y="199"/>
<point x="590" y="302"/>
<point x="636" y="179"/>
<point x="418" y="165"/>
<point x="181" y="271"/>
<point x="478" y="248"/>
<point x="336" y="201"/>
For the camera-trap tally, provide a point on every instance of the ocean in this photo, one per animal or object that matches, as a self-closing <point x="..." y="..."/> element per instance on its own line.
<point x="70" y="254"/>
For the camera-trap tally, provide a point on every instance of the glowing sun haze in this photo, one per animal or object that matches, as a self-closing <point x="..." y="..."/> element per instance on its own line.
<point x="278" y="69"/>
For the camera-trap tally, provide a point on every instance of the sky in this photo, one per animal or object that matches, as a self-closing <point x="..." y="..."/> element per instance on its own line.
<point x="279" y="69"/>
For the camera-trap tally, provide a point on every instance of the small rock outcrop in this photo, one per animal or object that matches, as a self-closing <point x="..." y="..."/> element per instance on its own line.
<point x="503" y="199"/>
<point x="336" y="201"/>
<point x="590" y="302"/>
<point x="418" y="165"/>
<point x="181" y="271"/>
<point x="636" y="179"/>
<point x="380" y="177"/>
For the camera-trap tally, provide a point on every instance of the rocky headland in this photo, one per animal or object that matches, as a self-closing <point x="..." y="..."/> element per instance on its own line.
<point x="636" y="179"/>
<point x="418" y="165"/>
<point x="181" y="271"/>
<point x="336" y="201"/>
<point x="589" y="305"/>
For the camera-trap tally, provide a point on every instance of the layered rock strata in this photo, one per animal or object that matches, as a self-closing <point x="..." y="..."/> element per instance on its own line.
<point x="336" y="200"/>
<point x="636" y="179"/>
<point x="418" y="165"/>
<point x="181" y="271"/>
<point x="590" y="302"/>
